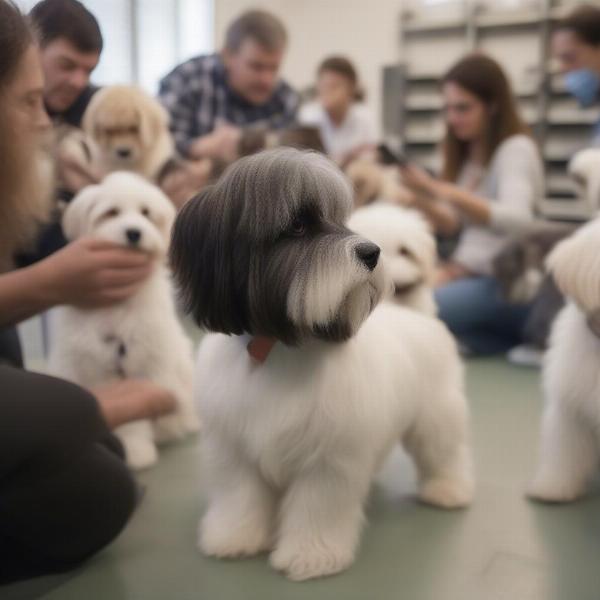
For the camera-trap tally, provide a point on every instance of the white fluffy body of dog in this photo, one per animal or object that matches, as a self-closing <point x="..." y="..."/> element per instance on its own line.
<point x="571" y="423"/>
<point x="291" y="444"/>
<point x="140" y="337"/>
<point x="130" y="131"/>
<point x="584" y="169"/>
<point x="408" y="250"/>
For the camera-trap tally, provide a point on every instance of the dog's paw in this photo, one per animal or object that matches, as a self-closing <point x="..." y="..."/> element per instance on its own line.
<point x="169" y="428"/>
<point x="232" y="540"/>
<point x="300" y="563"/>
<point x="140" y="453"/>
<point x="447" y="493"/>
<point x="553" y="490"/>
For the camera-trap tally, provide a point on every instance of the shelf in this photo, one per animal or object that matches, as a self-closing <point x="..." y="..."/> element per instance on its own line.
<point x="560" y="122"/>
<point x="559" y="160"/>
<point x="424" y="77"/>
<point x="421" y="141"/>
<point x="565" y="209"/>
<point x="512" y="19"/>
<point x="423" y="109"/>
<point x="434" y="25"/>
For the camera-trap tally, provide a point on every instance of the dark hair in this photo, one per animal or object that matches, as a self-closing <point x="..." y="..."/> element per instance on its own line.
<point x="15" y="38"/>
<point x="584" y="22"/>
<point x="342" y="66"/>
<point x="23" y="188"/>
<point x="67" y="19"/>
<point x="262" y="27"/>
<point x="483" y="77"/>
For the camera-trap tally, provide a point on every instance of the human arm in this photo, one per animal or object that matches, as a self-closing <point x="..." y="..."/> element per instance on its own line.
<point x="85" y="273"/>
<point x="132" y="399"/>
<point x="517" y="174"/>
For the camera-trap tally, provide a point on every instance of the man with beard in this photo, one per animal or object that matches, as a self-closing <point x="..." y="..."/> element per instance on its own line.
<point x="70" y="47"/>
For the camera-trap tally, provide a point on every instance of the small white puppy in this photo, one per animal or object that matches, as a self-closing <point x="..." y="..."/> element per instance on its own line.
<point x="303" y="392"/>
<point x="140" y="337"/>
<point x="584" y="169"/>
<point x="570" y="445"/>
<point x="407" y="247"/>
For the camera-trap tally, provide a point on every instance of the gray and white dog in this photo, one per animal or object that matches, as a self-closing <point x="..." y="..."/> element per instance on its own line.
<point x="307" y="386"/>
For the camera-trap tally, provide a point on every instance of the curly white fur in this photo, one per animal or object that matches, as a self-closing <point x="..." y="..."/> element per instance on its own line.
<point x="571" y="422"/>
<point x="138" y="338"/>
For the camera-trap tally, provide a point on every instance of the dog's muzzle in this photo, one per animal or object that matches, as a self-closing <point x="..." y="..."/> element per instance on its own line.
<point x="368" y="254"/>
<point x="133" y="236"/>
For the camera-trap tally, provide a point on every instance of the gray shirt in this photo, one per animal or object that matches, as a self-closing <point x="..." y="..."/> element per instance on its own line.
<point x="513" y="184"/>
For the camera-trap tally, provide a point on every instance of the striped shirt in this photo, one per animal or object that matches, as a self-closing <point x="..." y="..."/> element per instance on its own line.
<point x="198" y="96"/>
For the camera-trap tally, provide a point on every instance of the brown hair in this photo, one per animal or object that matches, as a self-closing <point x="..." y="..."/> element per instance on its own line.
<point x="342" y="66"/>
<point x="584" y="22"/>
<point x="24" y="175"/>
<point x="258" y="25"/>
<point x="67" y="19"/>
<point x="483" y="77"/>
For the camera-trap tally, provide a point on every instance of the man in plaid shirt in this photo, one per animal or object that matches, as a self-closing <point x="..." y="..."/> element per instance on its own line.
<point x="211" y="98"/>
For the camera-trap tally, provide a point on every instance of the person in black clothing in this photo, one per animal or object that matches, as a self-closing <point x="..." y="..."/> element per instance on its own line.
<point x="70" y="47"/>
<point x="65" y="491"/>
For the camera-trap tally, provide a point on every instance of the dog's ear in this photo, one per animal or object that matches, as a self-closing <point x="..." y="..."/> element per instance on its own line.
<point x="154" y="119"/>
<point x="76" y="215"/>
<point x="88" y="121"/>
<point x="573" y="264"/>
<point x="203" y="257"/>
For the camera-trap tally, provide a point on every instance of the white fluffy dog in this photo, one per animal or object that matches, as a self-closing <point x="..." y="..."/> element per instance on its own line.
<point x="407" y="247"/>
<point x="584" y="169"/>
<point x="130" y="129"/>
<point x="571" y="422"/>
<point x="140" y="337"/>
<point x="307" y="386"/>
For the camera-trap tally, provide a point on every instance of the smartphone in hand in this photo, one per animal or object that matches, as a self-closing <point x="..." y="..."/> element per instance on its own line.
<point x="388" y="157"/>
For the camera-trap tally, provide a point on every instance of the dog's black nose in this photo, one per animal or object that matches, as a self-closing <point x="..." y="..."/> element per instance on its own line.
<point x="368" y="253"/>
<point x="123" y="152"/>
<point x="133" y="235"/>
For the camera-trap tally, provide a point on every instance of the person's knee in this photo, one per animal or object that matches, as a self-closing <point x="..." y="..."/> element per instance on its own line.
<point x="103" y="495"/>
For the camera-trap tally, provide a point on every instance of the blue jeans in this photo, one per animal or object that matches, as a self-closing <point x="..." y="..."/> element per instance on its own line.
<point x="481" y="319"/>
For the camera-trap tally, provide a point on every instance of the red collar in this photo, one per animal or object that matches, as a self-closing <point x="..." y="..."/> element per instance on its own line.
<point x="259" y="347"/>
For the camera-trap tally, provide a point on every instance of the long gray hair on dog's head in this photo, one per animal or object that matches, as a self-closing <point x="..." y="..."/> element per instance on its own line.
<point x="266" y="251"/>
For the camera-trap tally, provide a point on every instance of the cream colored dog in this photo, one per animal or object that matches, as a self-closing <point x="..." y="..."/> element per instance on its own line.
<point x="130" y="130"/>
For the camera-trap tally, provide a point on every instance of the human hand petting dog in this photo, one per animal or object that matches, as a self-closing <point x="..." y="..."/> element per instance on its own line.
<point x="75" y="175"/>
<point x="222" y="143"/>
<point x="187" y="180"/>
<point x="90" y="273"/>
<point x="419" y="181"/>
<point x="132" y="399"/>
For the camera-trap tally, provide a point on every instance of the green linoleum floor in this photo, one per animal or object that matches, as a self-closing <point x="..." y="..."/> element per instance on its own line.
<point x="502" y="548"/>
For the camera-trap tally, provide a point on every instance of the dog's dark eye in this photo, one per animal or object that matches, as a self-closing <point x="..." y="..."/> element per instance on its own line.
<point x="145" y="211"/>
<point x="298" y="227"/>
<point x="113" y="212"/>
<point x="404" y="251"/>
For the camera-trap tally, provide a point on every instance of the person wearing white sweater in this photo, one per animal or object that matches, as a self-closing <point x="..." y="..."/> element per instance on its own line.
<point x="491" y="181"/>
<point x="346" y="125"/>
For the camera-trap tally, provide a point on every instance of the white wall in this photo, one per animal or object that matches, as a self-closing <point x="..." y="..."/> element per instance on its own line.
<point x="364" y="30"/>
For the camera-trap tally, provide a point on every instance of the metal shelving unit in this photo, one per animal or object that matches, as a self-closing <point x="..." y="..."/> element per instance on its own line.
<point x="560" y="127"/>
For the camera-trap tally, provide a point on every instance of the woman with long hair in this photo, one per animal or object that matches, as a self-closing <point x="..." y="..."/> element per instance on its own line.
<point x="491" y="180"/>
<point x="65" y="491"/>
